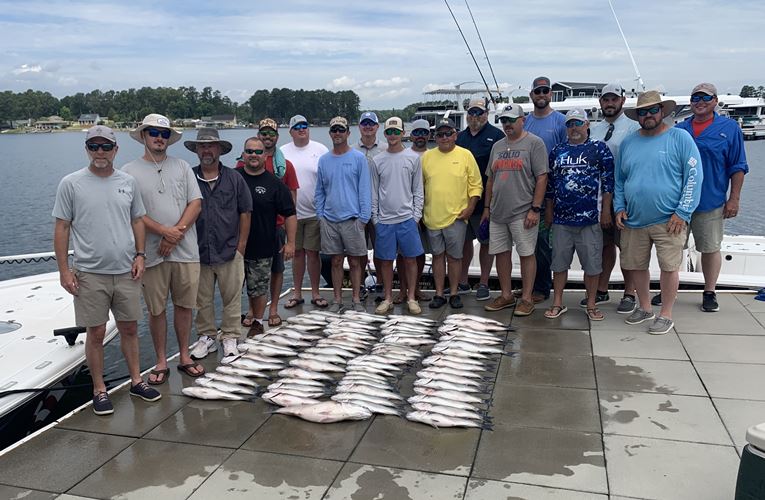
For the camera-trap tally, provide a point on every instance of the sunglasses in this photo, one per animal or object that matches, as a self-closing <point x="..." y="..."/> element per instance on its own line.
<point x="506" y="119"/>
<point x="476" y="112"/>
<point x="300" y="126"/>
<point x="337" y="130"/>
<point x="367" y="123"/>
<point x="94" y="146"/>
<point x="155" y="132"/>
<point x="254" y="151"/>
<point x="267" y="133"/>
<point x="441" y="135"/>
<point x="420" y="132"/>
<point x="702" y="97"/>
<point x="648" y="111"/>
<point x="393" y="131"/>
<point x="542" y="90"/>
<point x="574" y="123"/>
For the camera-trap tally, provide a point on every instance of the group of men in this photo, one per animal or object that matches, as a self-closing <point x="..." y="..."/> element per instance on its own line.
<point x="546" y="183"/>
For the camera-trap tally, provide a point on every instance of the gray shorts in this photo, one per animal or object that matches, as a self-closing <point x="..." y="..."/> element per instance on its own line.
<point x="100" y="293"/>
<point x="707" y="229"/>
<point x="343" y="238"/>
<point x="450" y="239"/>
<point x="472" y="228"/>
<point x="502" y="237"/>
<point x="586" y="240"/>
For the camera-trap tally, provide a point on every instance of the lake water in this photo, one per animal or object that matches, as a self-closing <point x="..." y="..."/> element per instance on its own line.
<point x="32" y="165"/>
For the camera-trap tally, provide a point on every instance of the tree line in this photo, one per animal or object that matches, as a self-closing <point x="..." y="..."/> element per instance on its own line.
<point x="130" y="106"/>
<point x="752" y="91"/>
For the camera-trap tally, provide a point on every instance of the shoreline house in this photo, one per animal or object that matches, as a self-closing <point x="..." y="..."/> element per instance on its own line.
<point x="217" y="121"/>
<point x="51" y="123"/>
<point x="88" y="119"/>
<point x="564" y="90"/>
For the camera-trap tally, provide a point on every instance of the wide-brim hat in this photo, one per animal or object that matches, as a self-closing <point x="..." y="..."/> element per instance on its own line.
<point x="158" y="121"/>
<point x="208" y="135"/>
<point x="648" y="99"/>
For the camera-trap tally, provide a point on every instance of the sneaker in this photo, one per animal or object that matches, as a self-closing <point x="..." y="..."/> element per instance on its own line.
<point x="359" y="307"/>
<point x="414" y="307"/>
<point x="336" y="307"/>
<point x="463" y="288"/>
<point x="102" y="405"/>
<point x="656" y="300"/>
<point x="255" y="329"/>
<point x="437" y="301"/>
<point x="143" y="391"/>
<point x="638" y="316"/>
<point x="627" y="305"/>
<point x="524" y="308"/>
<point x="482" y="292"/>
<point x="230" y="351"/>
<point x="204" y="346"/>
<point x="600" y="298"/>
<point x="709" y="302"/>
<point x="455" y="302"/>
<point x="385" y="307"/>
<point x="660" y="326"/>
<point x="500" y="303"/>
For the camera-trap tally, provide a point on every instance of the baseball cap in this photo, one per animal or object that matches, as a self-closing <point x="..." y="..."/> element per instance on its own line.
<point x="268" y="123"/>
<point x="297" y="119"/>
<point x="612" y="88"/>
<point x="101" y="131"/>
<point x="338" y="120"/>
<point x="420" y="124"/>
<point x="394" y="122"/>
<point x="512" y="111"/>
<point x="479" y="102"/>
<point x="540" y="81"/>
<point x="445" y="122"/>
<point x="369" y="115"/>
<point x="705" y="88"/>
<point x="576" y="114"/>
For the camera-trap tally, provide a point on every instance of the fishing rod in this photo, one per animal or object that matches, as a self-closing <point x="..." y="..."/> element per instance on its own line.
<point x="480" y="39"/>
<point x="639" y="78"/>
<point x="491" y="97"/>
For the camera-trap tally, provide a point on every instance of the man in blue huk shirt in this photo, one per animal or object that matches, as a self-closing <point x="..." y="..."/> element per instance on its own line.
<point x="721" y="145"/>
<point x="550" y="126"/>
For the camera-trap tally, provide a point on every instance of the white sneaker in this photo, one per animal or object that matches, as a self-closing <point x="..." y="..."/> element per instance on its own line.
<point x="204" y="346"/>
<point x="230" y="351"/>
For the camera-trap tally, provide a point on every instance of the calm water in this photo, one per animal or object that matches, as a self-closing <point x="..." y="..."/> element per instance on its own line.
<point x="33" y="164"/>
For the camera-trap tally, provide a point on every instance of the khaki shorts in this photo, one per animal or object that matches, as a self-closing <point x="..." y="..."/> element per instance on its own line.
<point x="308" y="234"/>
<point x="100" y="293"/>
<point x="707" y="229"/>
<point x="636" y="248"/>
<point x="503" y="236"/>
<point x="179" y="279"/>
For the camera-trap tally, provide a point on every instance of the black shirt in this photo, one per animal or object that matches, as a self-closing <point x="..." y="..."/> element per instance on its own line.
<point x="269" y="197"/>
<point x="480" y="145"/>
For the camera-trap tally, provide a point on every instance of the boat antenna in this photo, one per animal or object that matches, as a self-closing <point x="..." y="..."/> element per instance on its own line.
<point x="471" y="53"/>
<point x="638" y="78"/>
<point x="480" y="39"/>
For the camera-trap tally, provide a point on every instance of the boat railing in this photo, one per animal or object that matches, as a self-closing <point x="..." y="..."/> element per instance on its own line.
<point x="30" y="258"/>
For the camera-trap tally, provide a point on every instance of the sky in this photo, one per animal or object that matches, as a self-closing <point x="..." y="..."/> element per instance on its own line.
<point x="387" y="52"/>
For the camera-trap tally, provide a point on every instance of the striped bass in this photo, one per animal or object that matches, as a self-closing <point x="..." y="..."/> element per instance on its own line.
<point x="316" y="365"/>
<point x="224" y="386"/>
<point x="437" y="420"/>
<point x="301" y="373"/>
<point x="284" y="399"/>
<point x="231" y="378"/>
<point x="244" y="372"/>
<point x="326" y="412"/>
<point x="210" y="393"/>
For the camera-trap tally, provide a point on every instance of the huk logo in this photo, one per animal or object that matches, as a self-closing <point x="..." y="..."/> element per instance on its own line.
<point x="122" y="191"/>
<point x="260" y="190"/>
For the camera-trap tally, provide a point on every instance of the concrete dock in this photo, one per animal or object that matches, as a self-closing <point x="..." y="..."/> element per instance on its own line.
<point x="581" y="411"/>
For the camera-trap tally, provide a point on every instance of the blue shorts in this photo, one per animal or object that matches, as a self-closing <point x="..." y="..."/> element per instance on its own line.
<point x="403" y="236"/>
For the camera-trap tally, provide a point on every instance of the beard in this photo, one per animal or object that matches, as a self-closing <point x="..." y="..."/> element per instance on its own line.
<point x="541" y="103"/>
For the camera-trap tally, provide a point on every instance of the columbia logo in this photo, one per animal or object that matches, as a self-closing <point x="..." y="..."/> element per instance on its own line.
<point x="692" y="162"/>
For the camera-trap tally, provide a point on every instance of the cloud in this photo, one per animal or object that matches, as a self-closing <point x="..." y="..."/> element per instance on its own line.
<point x="344" y="82"/>
<point x="27" y="68"/>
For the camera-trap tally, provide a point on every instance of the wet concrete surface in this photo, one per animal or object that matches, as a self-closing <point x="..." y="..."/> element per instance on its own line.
<point x="565" y="388"/>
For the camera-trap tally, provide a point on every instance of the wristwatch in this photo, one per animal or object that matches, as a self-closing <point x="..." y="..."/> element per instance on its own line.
<point x="536" y="210"/>
<point x="139" y="254"/>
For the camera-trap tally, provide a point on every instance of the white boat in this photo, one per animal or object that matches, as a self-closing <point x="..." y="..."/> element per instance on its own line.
<point x="32" y="356"/>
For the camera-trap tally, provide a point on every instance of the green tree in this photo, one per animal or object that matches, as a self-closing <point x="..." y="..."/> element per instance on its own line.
<point x="65" y="113"/>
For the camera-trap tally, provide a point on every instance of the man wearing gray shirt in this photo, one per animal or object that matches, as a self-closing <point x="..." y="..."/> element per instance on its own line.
<point x="173" y="201"/>
<point x="102" y="210"/>
<point x="397" y="198"/>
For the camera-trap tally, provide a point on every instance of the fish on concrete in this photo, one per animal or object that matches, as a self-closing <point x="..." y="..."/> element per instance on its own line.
<point x="327" y="412"/>
<point x="200" y="392"/>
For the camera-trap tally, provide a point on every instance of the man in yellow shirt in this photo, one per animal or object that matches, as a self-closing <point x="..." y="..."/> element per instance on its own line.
<point x="453" y="186"/>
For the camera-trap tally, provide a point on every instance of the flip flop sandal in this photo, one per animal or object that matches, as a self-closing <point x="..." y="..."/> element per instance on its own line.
<point x="274" y="320"/>
<point x="160" y="376"/>
<point x="555" y="312"/>
<point x="187" y="369"/>
<point x="293" y="303"/>
<point x="320" y="302"/>
<point x="595" y="315"/>
<point x="247" y="320"/>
